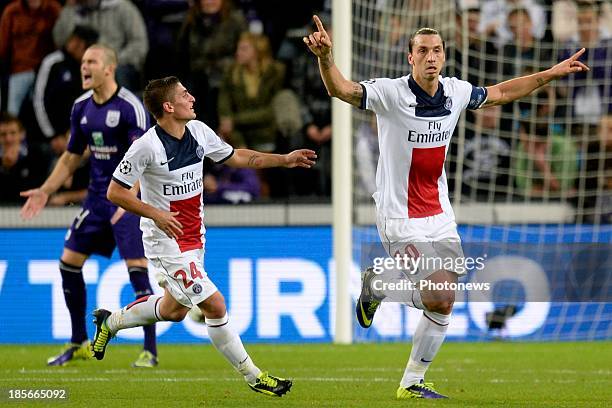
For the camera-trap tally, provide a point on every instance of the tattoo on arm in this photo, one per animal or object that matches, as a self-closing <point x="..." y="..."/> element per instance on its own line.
<point x="541" y="81"/>
<point x="355" y="95"/>
<point x="253" y="161"/>
<point x="326" y="62"/>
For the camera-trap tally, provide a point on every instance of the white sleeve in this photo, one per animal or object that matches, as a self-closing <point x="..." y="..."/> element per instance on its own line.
<point x="136" y="160"/>
<point x="215" y="148"/>
<point x="472" y="97"/>
<point x="379" y="95"/>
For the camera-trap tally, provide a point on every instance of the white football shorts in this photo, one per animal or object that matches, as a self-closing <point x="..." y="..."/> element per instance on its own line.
<point x="184" y="277"/>
<point x="433" y="239"/>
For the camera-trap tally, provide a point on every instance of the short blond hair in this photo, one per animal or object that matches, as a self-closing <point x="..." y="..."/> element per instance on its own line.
<point x="110" y="55"/>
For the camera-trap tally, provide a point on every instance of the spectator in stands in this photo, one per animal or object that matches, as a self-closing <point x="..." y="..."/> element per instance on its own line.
<point x="393" y="46"/>
<point x="316" y="134"/>
<point x="277" y="18"/>
<point x="419" y="13"/>
<point x="367" y="152"/>
<point x="546" y="160"/>
<point x="525" y="52"/>
<point x="58" y="83"/>
<point x="597" y="165"/>
<point x="163" y="19"/>
<point x="245" y="98"/>
<point x="120" y="26"/>
<point x="25" y="38"/>
<point x="229" y="185"/>
<point x="486" y="156"/>
<point x="208" y="41"/>
<point x="21" y="168"/>
<point x="482" y="53"/>
<point x="590" y="93"/>
<point x="565" y="22"/>
<point x="246" y="109"/>
<point x="524" y="55"/>
<point x="495" y="19"/>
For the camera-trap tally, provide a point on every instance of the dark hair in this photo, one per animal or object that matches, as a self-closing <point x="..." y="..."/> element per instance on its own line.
<point x="588" y="5"/>
<point x="518" y="10"/>
<point x="424" y="31"/>
<point x="6" y="118"/>
<point x="88" y="34"/>
<point x="157" y="92"/>
<point x="194" y="14"/>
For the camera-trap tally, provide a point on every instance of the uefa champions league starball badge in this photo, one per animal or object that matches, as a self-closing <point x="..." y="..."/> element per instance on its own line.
<point x="125" y="167"/>
<point x="197" y="288"/>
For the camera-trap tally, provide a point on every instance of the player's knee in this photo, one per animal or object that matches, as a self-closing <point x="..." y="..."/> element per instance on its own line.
<point x="444" y="306"/>
<point x="214" y="306"/>
<point x="441" y="302"/>
<point x="175" y="315"/>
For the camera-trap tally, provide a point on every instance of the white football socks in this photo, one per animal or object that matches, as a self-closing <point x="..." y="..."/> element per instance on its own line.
<point x="229" y="344"/>
<point x="142" y="312"/>
<point x="426" y="342"/>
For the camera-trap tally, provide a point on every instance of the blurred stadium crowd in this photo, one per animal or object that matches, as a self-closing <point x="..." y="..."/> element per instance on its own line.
<point x="257" y="85"/>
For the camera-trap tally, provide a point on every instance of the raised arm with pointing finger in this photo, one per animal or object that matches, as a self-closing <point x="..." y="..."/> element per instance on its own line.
<point x="319" y="42"/>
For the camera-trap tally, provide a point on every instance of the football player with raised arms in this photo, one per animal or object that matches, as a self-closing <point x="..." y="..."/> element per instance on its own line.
<point x="104" y="120"/>
<point x="167" y="160"/>
<point x="416" y="116"/>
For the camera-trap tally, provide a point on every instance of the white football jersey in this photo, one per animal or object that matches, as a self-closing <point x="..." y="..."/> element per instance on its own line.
<point x="170" y="173"/>
<point x="414" y="132"/>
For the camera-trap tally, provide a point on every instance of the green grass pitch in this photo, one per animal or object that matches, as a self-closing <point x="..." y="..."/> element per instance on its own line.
<point x="362" y="375"/>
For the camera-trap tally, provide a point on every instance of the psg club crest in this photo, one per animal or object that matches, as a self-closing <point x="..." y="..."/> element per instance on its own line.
<point x="197" y="288"/>
<point x="112" y="118"/>
<point x="448" y="104"/>
<point x="125" y="167"/>
<point x="200" y="152"/>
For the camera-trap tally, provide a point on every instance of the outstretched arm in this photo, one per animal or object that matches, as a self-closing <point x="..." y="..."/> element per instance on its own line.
<point x="257" y="160"/>
<point x="516" y="88"/>
<point x="38" y="197"/>
<point x="320" y="44"/>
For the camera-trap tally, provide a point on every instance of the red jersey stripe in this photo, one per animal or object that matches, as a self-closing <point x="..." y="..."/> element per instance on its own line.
<point x="189" y="217"/>
<point x="425" y="170"/>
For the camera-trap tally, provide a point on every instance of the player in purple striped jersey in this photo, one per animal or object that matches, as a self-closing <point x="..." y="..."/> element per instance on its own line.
<point x="106" y="120"/>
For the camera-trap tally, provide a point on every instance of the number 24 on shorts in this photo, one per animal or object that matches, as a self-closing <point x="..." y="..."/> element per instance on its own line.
<point x="195" y="274"/>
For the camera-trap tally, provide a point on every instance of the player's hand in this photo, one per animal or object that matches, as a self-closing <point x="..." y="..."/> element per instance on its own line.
<point x="319" y="42"/>
<point x="300" y="158"/>
<point x="37" y="199"/>
<point x="569" y="66"/>
<point x="166" y="222"/>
